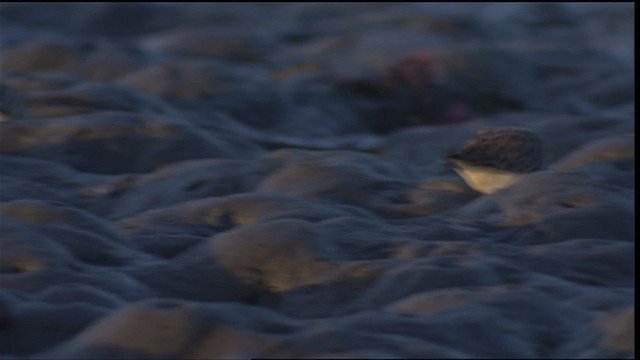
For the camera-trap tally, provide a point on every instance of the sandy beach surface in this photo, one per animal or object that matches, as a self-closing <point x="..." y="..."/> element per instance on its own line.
<point x="266" y="180"/>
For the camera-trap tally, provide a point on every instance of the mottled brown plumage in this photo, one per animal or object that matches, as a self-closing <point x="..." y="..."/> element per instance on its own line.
<point x="494" y="158"/>
<point x="512" y="149"/>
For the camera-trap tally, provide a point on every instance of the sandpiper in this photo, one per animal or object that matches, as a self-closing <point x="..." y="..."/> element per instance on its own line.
<point x="494" y="158"/>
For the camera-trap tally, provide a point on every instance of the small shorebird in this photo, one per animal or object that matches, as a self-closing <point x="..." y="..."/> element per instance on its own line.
<point x="494" y="158"/>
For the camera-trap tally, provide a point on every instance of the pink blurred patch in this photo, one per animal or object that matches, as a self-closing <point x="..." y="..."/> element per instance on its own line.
<point x="416" y="70"/>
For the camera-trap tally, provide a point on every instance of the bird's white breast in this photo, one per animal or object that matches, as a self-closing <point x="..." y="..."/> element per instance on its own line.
<point x="486" y="180"/>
